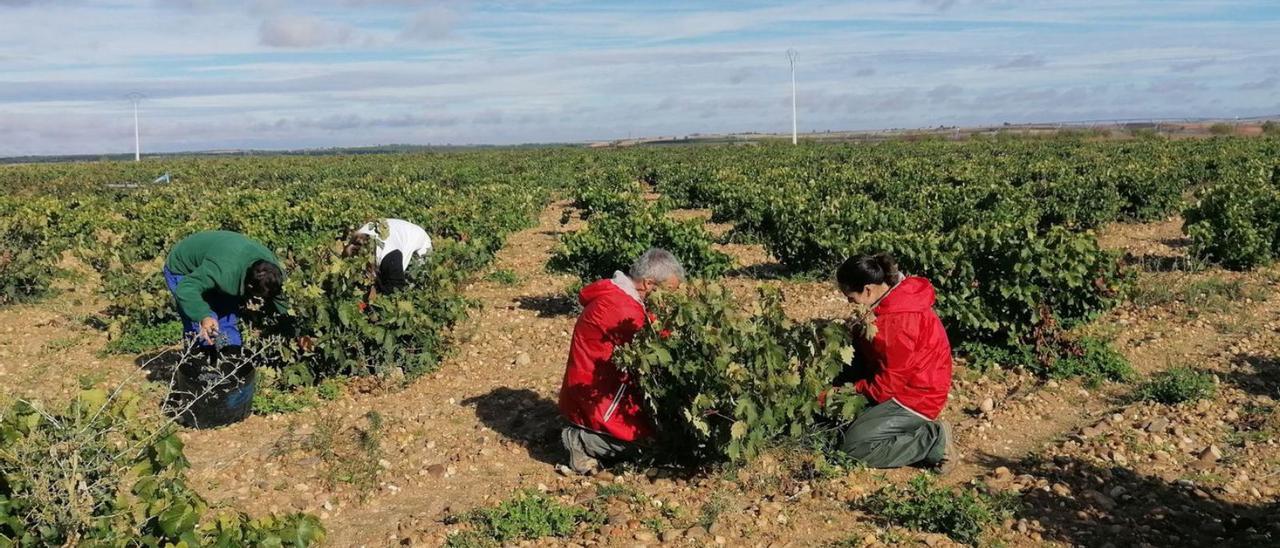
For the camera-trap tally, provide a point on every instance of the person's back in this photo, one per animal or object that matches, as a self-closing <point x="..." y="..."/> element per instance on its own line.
<point x="212" y="273"/>
<point x="920" y="379"/>
<point x="398" y="235"/>
<point x="225" y="255"/>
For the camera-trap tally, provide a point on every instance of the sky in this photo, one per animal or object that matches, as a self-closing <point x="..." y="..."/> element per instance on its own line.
<point x="286" y="74"/>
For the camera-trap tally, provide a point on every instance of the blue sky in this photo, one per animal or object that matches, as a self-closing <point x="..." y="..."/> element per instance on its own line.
<point x="293" y="73"/>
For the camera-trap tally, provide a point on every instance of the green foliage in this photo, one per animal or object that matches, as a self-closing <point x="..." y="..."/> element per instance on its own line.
<point x="922" y="505"/>
<point x="329" y="389"/>
<point x="268" y="400"/>
<point x="527" y="516"/>
<point x="468" y="202"/>
<point x="1092" y="359"/>
<point x="987" y="357"/>
<point x="139" y="337"/>
<point x="1237" y="223"/>
<point x="612" y="240"/>
<point x="29" y="252"/>
<point x="1177" y="385"/>
<point x="349" y="336"/>
<point x="100" y="473"/>
<point x="607" y="192"/>
<point x="1205" y="295"/>
<point x="469" y="539"/>
<point x="1001" y="230"/>
<point x="1216" y="294"/>
<point x="711" y="510"/>
<point x="1089" y="358"/>
<point x="1271" y="128"/>
<point x="504" y="276"/>
<point x="723" y="382"/>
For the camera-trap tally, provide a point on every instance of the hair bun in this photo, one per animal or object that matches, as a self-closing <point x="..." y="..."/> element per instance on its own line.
<point x="889" y="266"/>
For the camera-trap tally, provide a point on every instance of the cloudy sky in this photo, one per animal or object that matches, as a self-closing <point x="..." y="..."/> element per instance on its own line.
<point x="312" y="73"/>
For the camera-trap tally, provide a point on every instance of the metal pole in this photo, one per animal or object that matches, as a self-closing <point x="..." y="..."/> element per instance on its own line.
<point x="791" y="54"/>
<point x="137" y="143"/>
<point x="135" y="98"/>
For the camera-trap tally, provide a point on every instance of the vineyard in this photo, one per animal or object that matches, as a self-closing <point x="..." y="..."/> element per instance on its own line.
<point x="1078" y="280"/>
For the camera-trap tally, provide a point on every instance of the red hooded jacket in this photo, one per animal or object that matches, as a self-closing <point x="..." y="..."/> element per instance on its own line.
<point x="596" y="394"/>
<point x="909" y="359"/>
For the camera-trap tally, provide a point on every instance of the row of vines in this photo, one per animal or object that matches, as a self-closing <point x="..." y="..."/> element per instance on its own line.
<point x="1003" y="228"/>
<point x="299" y="207"/>
<point x="128" y="487"/>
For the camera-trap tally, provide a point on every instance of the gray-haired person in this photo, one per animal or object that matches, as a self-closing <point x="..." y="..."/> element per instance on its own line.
<point x="602" y="404"/>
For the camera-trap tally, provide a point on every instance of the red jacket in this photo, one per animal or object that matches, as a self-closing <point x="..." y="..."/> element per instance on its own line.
<point x="596" y="394"/>
<point x="909" y="360"/>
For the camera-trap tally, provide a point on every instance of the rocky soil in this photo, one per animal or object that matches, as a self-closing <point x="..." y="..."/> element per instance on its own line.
<point x="389" y="462"/>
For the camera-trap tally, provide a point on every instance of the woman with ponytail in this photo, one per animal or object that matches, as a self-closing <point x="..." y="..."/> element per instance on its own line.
<point x="902" y="366"/>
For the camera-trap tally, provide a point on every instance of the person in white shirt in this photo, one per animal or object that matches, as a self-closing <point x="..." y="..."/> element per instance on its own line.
<point x="397" y="243"/>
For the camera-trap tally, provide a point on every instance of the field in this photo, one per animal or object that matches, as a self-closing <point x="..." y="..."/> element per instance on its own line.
<point x="1113" y="305"/>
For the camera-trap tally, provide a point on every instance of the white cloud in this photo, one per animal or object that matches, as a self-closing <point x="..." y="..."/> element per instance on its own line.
<point x="434" y="23"/>
<point x="302" y="31"/>
<point x="289" y="73"/>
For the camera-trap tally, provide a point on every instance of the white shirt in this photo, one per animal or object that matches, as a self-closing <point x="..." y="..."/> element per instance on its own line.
<point x="403" y="236"/>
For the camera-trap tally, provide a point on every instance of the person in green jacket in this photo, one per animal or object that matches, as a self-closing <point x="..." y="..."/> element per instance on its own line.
<point x="212" y="274"/>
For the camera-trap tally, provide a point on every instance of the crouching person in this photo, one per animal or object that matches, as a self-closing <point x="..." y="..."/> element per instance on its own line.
<point x="904" y="370"/>
<point x="602" y="404"/>
<point x="212" y="274"/>
<point x="396" y="242"/>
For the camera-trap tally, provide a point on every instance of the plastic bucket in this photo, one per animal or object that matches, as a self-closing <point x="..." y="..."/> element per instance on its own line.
<point x="210" y="397"/>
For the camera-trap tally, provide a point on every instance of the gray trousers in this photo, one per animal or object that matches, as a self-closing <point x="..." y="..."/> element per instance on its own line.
<point x="594" y="444"/>
<point x="890" y="436"/>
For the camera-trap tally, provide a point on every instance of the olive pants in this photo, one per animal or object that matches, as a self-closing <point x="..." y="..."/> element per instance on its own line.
<point x="594" y="444"/>
<point x="890" y="436"/>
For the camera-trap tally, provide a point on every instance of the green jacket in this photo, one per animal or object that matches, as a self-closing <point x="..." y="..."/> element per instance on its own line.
<point x="215" y="260"/>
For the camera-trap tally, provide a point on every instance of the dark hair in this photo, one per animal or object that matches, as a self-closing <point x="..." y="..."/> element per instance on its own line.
<point x="263" y="279"/>
<point x="863" y="270"/>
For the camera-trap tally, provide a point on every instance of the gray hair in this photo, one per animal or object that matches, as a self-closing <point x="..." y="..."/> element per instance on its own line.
<point x="656" y="264"/>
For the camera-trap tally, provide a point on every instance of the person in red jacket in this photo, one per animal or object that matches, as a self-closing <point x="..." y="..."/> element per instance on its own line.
<point x="602" y="404"/>
<point x="904" y="369"/>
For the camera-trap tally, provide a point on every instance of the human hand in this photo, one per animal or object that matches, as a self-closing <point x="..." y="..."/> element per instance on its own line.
<point x="208" y="329"/>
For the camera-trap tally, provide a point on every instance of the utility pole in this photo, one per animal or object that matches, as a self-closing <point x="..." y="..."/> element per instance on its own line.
<point x="791" y="56"/>
<point x="137" y="142"/>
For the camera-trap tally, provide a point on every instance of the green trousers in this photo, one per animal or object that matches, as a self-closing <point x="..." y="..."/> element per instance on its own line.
<point x="594" y="444"/>
<point x="890" y="436"/>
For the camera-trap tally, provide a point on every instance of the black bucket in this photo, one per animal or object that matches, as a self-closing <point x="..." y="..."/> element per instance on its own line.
<point x="210" y="396"/>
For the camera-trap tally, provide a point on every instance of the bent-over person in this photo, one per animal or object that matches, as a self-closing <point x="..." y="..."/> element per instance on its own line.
<point x="396" y="242"/>
<point x="211" y="274"/>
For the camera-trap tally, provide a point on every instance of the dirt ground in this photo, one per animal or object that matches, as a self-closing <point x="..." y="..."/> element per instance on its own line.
<point x="1091" y="466"/>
